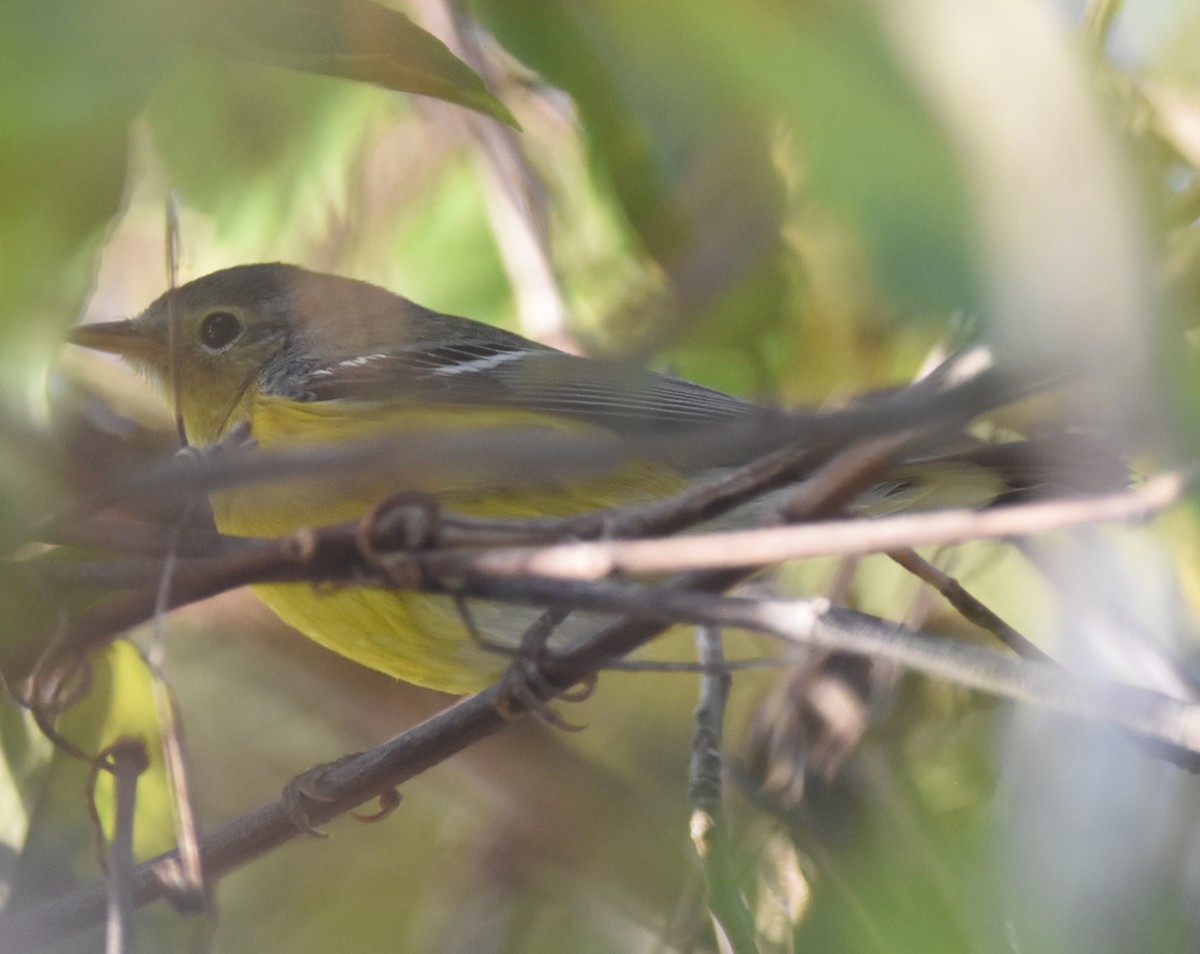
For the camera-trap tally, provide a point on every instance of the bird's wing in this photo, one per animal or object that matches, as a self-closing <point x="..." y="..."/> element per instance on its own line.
<point x="528" y="378"/>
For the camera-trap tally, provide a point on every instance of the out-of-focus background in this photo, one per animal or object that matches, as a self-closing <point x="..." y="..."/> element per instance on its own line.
<point x="794" y="202"/>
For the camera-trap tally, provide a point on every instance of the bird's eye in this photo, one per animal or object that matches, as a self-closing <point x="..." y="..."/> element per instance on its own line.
<point x="219" y="330"/>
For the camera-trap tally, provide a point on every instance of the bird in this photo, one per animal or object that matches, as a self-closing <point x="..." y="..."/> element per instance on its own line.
<point x="303" y="358"/>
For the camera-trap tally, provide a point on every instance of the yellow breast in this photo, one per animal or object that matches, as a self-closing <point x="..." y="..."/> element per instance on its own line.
<point x="415" y="637"/>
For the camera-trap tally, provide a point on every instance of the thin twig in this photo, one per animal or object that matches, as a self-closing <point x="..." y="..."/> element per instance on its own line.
<point x="971" y="608"/>
<point x="767" y="545"/>
<point x="174" y="332"/>
<point x="192" y="892"/>
<point x="709" y="830"/>
<point x="129" y="760"/>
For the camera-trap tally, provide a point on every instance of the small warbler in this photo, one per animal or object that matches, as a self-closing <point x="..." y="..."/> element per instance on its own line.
<point x="307" y="358"/>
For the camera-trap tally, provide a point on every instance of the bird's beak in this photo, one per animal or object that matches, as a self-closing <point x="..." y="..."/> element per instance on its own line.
<point x="126" y="338"/>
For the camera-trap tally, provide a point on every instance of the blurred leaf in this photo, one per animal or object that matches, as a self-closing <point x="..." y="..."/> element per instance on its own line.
<point x="29" y="615"/>
<point x="689" y="163"/>
<point x="59" y="851"/>
<point x="356" y="40"/>
<point x="31" y="484"/>
<point x="728" y="136"/>
<point x="119" y="703"/>
<point x="24" y="760"/>
<point x="872" y="151"/>
<point x="72" y="76"/>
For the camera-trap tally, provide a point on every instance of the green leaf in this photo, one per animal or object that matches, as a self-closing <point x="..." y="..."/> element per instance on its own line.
<point x="357" y="40"/>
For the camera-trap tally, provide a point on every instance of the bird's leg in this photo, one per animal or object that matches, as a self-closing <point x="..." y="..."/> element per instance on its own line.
<point x="523" y="687"/>
<point x="310" y="786"/>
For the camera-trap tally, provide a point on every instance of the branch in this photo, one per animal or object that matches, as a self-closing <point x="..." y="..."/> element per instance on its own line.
<point x="970" y="607"/>
<point x="336" y="553"/>
<point x="853" y="537"/>
<point x="348" y="784"/>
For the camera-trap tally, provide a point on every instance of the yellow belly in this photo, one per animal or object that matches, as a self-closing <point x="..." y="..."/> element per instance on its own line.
<point x="413" y="636"/>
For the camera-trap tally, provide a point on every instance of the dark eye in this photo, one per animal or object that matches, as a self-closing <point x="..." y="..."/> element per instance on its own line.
<point x="219" y="330"/>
